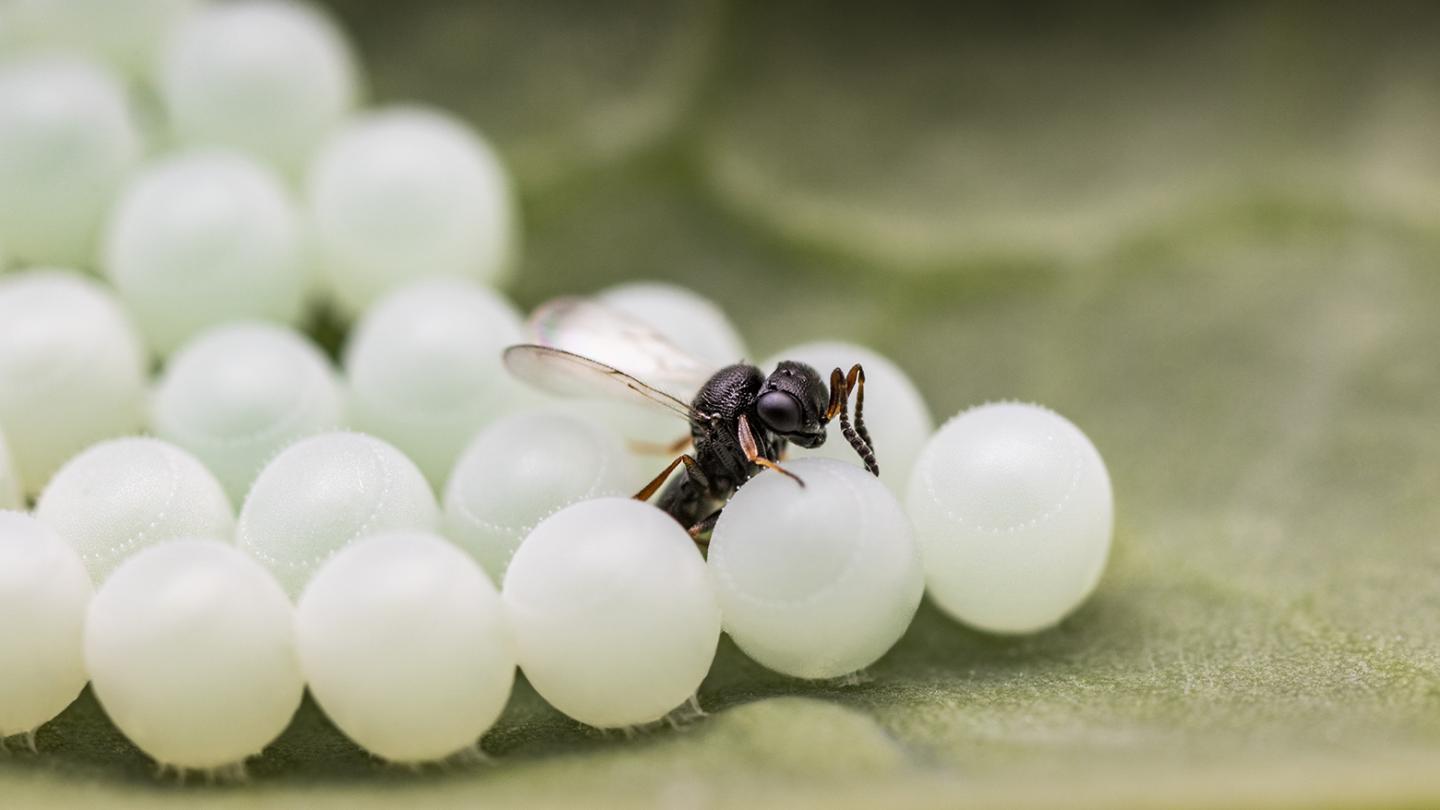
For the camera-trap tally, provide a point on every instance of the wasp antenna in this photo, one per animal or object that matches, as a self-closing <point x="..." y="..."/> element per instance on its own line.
<point x="861" y="447"/>
<point x="856" y="380"/>
<point x="858" y="437"/>
<point x="838" y="392"/>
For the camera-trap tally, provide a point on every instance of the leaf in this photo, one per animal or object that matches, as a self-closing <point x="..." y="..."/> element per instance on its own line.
<point x="560" y="87"/>
<point x="1258" y="370"/>
<point x="922" y="137"/>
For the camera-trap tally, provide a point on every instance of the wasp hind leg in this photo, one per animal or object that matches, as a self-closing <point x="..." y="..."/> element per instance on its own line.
<point x="692" y="468"/>
<point x="700" y="532"/>
<point x="655" y="449"/>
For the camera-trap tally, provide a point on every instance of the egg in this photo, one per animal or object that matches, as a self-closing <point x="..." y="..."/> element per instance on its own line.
<point x="1013" y="508"/>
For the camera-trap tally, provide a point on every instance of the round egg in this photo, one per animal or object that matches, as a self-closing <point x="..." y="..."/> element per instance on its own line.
<point x="191" y="651"/>
<point x="68" y="139"/>
<point x="816" y="581"/>
<point x="693" y="324"/>
<point x="425" y="373"/>
<point x="123" y="495"/>
<point x="522" y="468"/>
<point x="407" y="193"/>
<point x="268" y="77"/>
<point x="203" y="238"/>
<point x="44" y="590"/>
<point x="72" y="370"/>
<point x="896" y="415"/>
<point x="126" y="35"/>
<point x="689" y="320"/>
<point x="614" y="618"/>
<point x="238" y="394"/>
<point x="1013" y="509"/>
<point x="324" y="492"/>
<point x="403" y="642"/>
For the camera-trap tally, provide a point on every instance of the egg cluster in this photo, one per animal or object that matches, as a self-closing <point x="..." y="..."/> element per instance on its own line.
<point x="180" y="183"/>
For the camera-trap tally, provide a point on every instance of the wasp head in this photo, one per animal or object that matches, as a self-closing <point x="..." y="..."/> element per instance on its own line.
<point x="792" y="403"/>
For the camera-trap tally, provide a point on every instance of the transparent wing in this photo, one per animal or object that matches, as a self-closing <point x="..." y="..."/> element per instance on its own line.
<point x="568" y="374"/>
<point x="614" y="339"/>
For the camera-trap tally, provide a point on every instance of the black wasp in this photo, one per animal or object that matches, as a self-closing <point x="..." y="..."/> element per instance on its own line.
<point x="740" y="419"/>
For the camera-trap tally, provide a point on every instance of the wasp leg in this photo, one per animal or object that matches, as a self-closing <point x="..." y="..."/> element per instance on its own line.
<point x="691" y="466"/>
<point x="752" y="451"/>
<point x="859" y="439"/>
<point x="700" y="532"/>
<point x="653" y="449"/>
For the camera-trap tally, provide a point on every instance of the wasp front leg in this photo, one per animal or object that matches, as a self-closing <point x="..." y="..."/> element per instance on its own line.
<point x="752" y="451"/>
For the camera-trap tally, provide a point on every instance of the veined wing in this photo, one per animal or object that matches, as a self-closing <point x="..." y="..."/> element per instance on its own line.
<point x="614" y="339"/>
<point x="568" y="374"/>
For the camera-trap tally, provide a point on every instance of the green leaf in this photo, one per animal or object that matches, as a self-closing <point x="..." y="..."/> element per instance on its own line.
<point x="1224" y="269"/>
<point x="919" y="138"/>
<point x="560" y="87"/>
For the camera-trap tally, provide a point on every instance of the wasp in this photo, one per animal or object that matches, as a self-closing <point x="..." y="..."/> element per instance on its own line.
<point x="741" y="419"/>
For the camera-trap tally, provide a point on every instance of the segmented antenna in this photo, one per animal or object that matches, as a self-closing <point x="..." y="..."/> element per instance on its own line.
<point x="857" y="435"/>
<point x="860" y="406"/>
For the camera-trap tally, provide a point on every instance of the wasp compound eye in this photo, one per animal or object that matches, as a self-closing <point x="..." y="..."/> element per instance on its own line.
<point x="779" y="411"/>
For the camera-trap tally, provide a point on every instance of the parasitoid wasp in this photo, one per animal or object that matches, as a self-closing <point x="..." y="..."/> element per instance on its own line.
<point x="740" y="418"/>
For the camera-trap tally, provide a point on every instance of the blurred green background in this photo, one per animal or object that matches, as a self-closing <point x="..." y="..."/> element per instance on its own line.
<point x="1208" y="233"/>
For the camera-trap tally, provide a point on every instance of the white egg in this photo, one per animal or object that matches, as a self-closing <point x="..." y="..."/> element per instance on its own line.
<point x="190" y="648"/>
<point x="1013" y="509"/>
<point x="697" y="327"/>
<point x="44" y="591"/>
<point x="408" y="193"/>
<point x="522" y="468"/>
<point x="123" y="495"/>
<point x="72" y="370"/>
<point x="425" y="373"/>
<point x="237" y="395"/>
<point x="896" y="415"/>
<point x="614" y="617"/>
<point x="203" y="238"/>
<point x="269" y="77"/>
<point x="403" y="642"/>
<point x="690" y="321"/>
<point x="10" y="497"/>
<point x="126" y="34"/>
<point x="325" y="492"/>
<point x="816" y="581"/>
<point x="68" y="139"/>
